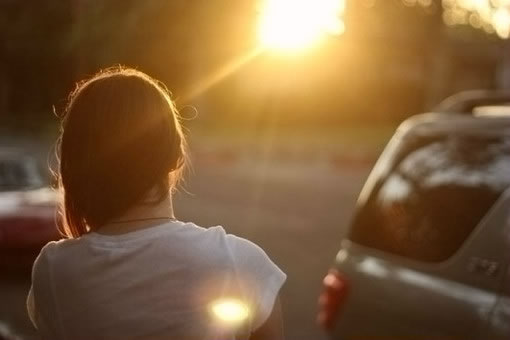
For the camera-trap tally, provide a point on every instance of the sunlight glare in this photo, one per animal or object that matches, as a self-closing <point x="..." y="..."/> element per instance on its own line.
<point x="220" y="74"/>
<point x="230" y="310"/>
<point x="298" y="24"/>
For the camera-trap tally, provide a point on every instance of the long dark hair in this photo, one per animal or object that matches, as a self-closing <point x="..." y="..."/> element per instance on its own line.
<point x="121" y="137"/>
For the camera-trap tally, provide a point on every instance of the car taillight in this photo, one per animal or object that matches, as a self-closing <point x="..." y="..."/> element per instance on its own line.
<point x="334" y="292"/>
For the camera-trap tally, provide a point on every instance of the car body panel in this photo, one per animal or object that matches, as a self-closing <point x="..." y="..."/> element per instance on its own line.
<point x="467" y="101"/>
<point x="499" y="327"/>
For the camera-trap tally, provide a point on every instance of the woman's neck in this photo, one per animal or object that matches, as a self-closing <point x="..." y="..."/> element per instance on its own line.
<point x="140" y="216"/>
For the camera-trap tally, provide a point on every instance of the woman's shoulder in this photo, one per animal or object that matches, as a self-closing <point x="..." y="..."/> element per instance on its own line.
<point x="205" y="238"/>
<point x="220" y="235"/>
<point x="50" y="250"/>
<point x="217" y="240"/>
<point x="41" y="267"/>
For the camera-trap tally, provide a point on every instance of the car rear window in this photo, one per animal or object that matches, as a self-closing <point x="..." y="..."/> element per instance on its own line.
<point x="433" y="195"/>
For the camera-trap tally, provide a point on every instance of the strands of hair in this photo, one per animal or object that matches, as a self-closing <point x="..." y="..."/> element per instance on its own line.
<point x="121" y="137"/>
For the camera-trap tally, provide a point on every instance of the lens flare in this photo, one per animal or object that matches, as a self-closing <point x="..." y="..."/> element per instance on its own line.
<point x="298" y="24"/>
<point x="231" y="311"/>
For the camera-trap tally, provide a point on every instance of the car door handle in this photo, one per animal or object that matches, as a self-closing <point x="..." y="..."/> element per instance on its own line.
<point x="482" y="266"/>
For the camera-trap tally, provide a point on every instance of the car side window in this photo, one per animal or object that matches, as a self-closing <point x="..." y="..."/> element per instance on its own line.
<point x="11" y="175"/>
<point x="434" y="196"/>
<point x="19" y="174"/>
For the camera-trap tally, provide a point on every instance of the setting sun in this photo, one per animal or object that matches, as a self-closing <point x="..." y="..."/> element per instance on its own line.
<point x="298" y="24"/>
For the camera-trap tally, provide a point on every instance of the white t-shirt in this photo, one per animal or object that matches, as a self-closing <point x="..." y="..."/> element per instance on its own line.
<point x="152" y="284"/>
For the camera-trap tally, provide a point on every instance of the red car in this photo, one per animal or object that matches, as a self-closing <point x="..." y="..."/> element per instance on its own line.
<point x="27" y="209"/>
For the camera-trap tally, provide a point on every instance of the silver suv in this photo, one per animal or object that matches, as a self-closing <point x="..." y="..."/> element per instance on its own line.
<point x="428" y="252"/>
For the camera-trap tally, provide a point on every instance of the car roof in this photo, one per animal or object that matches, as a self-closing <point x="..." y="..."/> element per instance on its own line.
<point x="456" y="124"/>
<point x="13" y="153"/>
<point x="466" y="101"/>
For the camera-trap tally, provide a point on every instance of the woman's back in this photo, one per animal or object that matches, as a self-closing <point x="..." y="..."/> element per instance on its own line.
<point x="154" y="283"/>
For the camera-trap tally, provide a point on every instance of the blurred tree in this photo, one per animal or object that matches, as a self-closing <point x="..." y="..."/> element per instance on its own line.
<point x="395" y="53"/>
<point x="33" y="59"/>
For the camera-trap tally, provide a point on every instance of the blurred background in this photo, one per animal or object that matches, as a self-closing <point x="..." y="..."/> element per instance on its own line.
<point x="286" y="104"/>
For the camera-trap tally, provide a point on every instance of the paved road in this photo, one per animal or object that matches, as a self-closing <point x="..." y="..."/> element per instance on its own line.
<point x="297" y="211"/>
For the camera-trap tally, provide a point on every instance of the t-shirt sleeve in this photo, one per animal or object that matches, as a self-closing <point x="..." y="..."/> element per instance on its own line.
<point x="261" y="278"/>
<point x="40" y="301"/>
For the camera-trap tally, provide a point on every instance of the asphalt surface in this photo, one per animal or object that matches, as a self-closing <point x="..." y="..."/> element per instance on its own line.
<point x="296" y="210"/>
